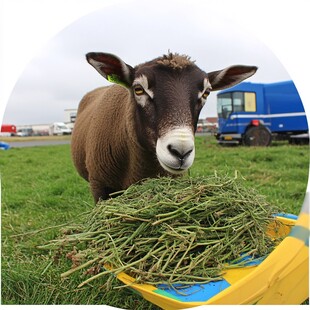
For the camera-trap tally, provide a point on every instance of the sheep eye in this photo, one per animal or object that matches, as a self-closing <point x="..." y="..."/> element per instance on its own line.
<point x="138" y="90"/>
<point x="205" y="94"/>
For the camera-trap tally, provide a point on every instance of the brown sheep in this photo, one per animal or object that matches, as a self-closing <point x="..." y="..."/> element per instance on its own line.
<point x="144" y="125"/>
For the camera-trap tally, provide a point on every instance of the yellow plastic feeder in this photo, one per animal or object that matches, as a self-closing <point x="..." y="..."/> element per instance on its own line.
<point x="282" y="278"/>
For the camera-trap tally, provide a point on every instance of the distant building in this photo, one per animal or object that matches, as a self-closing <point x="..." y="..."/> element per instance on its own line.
<point x="212" y="120"/>
<point x="45" y="129"/>
<point x="33" y="130"/>
<point x="70" y="117"/>
<point x="208" y="124"/>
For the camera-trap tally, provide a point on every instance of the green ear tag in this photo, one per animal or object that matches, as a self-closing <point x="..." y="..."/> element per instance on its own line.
<point x="113" y="78"/>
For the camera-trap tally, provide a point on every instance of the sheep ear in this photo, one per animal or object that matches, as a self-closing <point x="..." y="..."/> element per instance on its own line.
<point x="112" y="68"/>
<point x="230" y="76"/>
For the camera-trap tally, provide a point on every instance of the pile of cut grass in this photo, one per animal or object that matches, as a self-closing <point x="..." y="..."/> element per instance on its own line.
<point x="166" y="230"/>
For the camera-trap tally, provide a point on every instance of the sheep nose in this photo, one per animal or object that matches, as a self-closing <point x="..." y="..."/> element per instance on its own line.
<point x="179" y="152"/>
<point x="175" y="150"/>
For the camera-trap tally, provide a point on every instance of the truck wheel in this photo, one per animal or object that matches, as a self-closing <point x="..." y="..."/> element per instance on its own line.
<point x="257" y="136"/>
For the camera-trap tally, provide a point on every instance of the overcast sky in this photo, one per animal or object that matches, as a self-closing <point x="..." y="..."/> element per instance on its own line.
<point x="58" y="76"/>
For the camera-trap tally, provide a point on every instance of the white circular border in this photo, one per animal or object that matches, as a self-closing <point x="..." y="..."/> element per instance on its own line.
<point x="27" y="25"/>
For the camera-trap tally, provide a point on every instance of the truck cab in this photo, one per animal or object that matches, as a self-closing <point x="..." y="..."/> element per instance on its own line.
<point x="253" y="114"/>
<point x="59" y="129"/>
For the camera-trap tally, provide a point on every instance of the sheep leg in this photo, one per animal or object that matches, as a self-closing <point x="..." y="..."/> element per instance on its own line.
<point x="100" y="191"/>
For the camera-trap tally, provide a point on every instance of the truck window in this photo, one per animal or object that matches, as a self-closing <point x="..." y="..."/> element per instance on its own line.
<point x="238" y="102"/>
<point x="224" y="105"/>
<point x="249" y="102"/>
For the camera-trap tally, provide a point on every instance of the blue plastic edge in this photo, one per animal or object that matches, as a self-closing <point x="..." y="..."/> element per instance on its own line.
<point x="287" y="216"/>
<point x="193" y="293"/>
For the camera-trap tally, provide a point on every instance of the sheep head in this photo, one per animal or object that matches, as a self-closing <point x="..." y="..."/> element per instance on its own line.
<point x="168" y="93"/>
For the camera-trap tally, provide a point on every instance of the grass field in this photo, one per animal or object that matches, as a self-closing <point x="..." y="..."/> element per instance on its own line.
<point x="41" y="192"/>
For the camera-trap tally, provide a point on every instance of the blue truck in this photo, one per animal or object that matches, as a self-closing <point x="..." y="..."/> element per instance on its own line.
<point x="254" y="114"/>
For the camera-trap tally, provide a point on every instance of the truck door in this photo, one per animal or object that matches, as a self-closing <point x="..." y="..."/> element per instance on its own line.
<point x="224" y="109"/>
<point x="238" y="107"/>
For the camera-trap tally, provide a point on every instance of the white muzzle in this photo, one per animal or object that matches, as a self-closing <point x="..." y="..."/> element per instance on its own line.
<point x="176" y="150"/>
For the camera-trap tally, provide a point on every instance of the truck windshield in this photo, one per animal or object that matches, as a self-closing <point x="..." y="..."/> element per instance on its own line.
<point x="61" y="127"/>
<point x="224" y="105"/>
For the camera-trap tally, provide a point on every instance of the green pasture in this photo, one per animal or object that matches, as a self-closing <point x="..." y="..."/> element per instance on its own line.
<point x="42" y="193"/>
